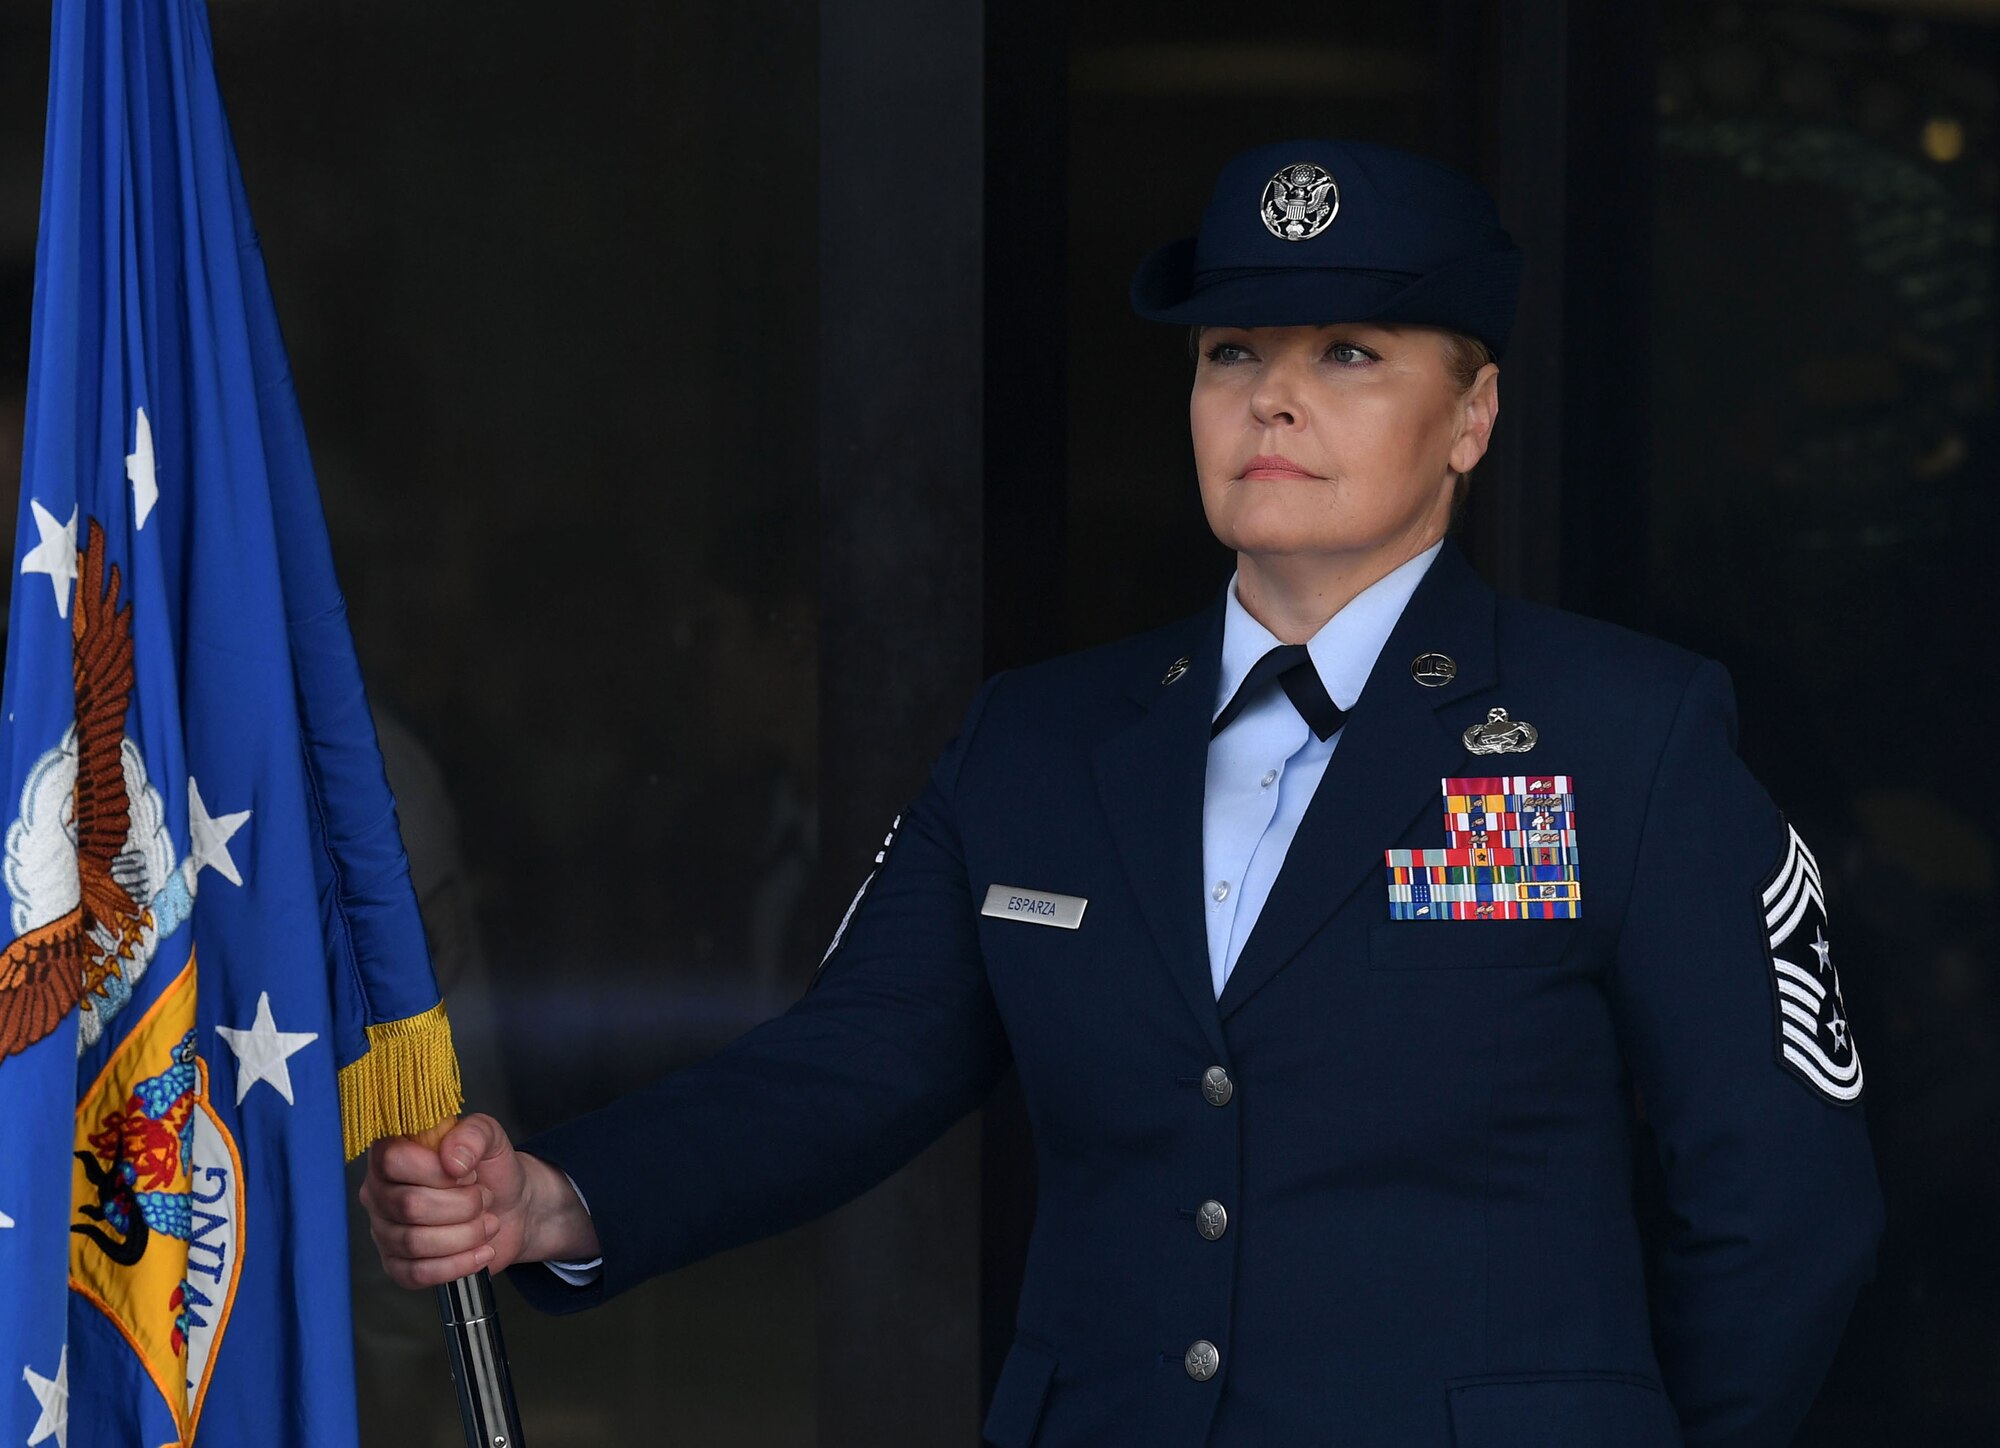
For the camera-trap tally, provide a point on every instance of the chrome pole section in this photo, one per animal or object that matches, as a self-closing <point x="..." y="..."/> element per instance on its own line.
<point x="479" y="1363"/>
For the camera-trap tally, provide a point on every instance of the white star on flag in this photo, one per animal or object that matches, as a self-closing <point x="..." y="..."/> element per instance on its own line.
<point x="139" y="468"/>
<point x="5" y="1220"/>
<point x="263" y="1050"/>
<point x="209" y="836"/>
<point x="53" y="1395"/>
<point x="55" y="555"/>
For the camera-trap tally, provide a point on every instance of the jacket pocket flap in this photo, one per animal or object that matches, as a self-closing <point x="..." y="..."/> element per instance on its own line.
<point x="1577" y="1410"/>
<point x="1019" y="1395"/>
<point x="1469" y="944"/>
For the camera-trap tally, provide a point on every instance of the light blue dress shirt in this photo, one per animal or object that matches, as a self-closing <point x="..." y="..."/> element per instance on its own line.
<point x="578" y="1274"/>
<point x="1263" y="769"/>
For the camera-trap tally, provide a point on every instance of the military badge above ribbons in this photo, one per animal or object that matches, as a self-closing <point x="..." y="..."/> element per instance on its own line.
<point x="1814" y="1039"/>
<point x="1510" y="854"/>
<point x="215" y="982"/>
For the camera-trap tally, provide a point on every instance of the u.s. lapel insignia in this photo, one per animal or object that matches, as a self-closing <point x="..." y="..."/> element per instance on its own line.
<point x="1501" y="735"/>
<point x="1510" y="854"/>
<point x="1177" y="670"/>
<point x="1433" y="670"/>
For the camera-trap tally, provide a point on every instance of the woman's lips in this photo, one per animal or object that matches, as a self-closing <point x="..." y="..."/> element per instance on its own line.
<point x="1271" y="465"/>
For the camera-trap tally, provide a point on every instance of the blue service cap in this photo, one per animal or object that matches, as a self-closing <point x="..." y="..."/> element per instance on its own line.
<point x="1304" y="233"/>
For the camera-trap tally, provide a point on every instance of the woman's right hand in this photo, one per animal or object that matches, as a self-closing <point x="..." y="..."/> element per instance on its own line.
<point x="446" y="1204"/>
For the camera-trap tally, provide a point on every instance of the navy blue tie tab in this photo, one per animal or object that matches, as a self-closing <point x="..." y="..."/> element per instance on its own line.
<point x="1290" y="666"/>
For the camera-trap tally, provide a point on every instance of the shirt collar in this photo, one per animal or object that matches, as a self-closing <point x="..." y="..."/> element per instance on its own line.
<point x="1345" y="648"/>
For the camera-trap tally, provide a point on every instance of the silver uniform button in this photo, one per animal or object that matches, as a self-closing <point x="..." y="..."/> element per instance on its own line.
<point x="1202" y="1361"/>
<point x="1216" y="1086"/>
<point x="1221" y="891"/>
<point x="1211" y="1219"/>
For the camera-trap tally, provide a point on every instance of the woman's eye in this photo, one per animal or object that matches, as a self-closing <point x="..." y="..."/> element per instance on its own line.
<point x="1348" y="354"/>
<point x="1225" y="353"/>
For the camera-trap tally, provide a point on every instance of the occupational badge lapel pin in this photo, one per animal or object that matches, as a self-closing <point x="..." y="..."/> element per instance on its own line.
<point x="1501" y="735"/>
<point x="1509" y="854"/>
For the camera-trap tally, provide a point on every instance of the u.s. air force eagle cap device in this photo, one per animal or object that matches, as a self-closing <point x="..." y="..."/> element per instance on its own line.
<point x="1304" y="233"/>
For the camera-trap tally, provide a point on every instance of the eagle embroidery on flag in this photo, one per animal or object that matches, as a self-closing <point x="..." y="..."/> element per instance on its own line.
<point x="1814" y="1038"/>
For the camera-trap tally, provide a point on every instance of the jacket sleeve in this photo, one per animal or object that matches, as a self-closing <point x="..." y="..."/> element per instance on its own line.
<point x="897" y="1038"/>
<point x="1773" y="1206"/>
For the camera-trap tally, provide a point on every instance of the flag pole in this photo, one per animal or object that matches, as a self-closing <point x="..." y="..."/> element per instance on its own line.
<point x="478" y="1353"/>
<point x="479" y="1362"/>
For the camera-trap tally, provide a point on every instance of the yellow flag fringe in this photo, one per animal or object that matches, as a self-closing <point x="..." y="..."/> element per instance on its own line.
<point x="406" y="1084"/>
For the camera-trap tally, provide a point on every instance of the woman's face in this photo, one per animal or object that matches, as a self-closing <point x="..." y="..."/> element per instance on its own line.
<point x="1338" y="441"/>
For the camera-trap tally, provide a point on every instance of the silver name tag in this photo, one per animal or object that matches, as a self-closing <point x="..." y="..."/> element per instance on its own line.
<point x="1039" y="907"/>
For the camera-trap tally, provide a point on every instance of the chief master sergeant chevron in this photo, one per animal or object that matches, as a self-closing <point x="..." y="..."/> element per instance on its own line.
<point x="1352" y="926"/>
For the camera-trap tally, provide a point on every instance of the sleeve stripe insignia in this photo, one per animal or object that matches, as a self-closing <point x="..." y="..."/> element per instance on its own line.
<point x="881" y="859"/>
<point x="1813" y="1037"/>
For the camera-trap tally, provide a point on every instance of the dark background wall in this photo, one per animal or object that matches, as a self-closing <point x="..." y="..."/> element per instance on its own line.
<point x="548" y="279"/>
<point x="1822" y="510"/>
<point x="581" y="302"/>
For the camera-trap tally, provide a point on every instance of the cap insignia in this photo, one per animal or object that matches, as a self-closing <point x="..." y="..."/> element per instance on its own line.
<point x="1299" y="202"/>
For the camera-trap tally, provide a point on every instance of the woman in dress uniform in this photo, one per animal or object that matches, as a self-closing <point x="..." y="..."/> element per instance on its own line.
<point x="1346" y="932"/>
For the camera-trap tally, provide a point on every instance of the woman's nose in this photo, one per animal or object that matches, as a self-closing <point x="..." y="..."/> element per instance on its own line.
<point x="1274" y="410"/>
<point x="1274" y="401"/>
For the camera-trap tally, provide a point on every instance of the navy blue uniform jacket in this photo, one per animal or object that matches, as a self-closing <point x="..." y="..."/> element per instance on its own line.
<point x="1427" y="1157"/>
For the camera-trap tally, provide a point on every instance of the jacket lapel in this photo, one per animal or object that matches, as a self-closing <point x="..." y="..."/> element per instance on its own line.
<point x="1151" y="777"/>
<point x="1392" y="753"/>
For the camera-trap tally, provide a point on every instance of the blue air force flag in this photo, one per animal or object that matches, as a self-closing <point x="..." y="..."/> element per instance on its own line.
<point x="216" y="978"/>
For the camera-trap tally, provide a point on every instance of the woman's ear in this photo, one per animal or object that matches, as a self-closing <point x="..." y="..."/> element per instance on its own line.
<point x="1478" y="410"/>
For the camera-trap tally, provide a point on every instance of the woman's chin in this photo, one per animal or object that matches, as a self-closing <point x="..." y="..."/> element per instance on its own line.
<point x="1281" y="541"/>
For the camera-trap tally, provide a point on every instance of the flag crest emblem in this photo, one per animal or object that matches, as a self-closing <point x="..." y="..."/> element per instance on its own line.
<point x="157" y="1203"/>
